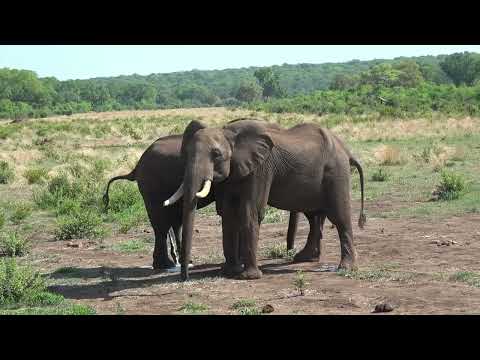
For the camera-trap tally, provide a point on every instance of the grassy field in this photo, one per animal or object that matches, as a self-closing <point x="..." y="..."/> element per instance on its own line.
<point x="53" y="173"/>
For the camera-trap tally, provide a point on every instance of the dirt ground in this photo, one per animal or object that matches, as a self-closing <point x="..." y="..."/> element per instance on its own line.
<point x="418" y="255"/>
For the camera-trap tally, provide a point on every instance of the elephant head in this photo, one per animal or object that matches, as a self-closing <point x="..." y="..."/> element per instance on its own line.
<point x="214" y="155"/>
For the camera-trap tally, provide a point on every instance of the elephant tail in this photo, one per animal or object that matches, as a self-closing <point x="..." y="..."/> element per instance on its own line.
<point x="130" y="177"/>
<point x="362" y="219"/>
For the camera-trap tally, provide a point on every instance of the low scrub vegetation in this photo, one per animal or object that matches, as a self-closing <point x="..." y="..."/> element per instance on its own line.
<point x="13" y="244"/>
<point x="79" y="225"/>
<point x="36" y="175"/>
<point x="451" y="186"/>
<point x="279" y="251"/>
<point x="6" y="172"/>
<point x="23" y="291"/>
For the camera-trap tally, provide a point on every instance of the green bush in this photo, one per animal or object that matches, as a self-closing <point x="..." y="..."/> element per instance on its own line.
<point x="451" y="186"/>
<point x="79" y="225"/>
<point x="21" y="211"/>
<point x="13" y="244"/>
<point x="35" y="176"/>
<point x="19" y="284"/>
<point x="2" y="219"/>
<point x="6" y="172"/>
<point x="380" y="175"/>
<point x="279" y="251"/>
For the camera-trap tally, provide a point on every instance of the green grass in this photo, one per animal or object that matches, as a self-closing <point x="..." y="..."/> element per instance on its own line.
<point x="36" y="175"/>
<point x="23" y="291"/>
<point x="6" y="172"/>
<point x="131" y="246"/>
<point x="191" y="307"/>
<point x="273" y="215"/>
<point x="409" y="186"/>
<point x="62" y="309"/>
<point x="451" y="186"/>
<point x="300" y="282"/>
<point x="246" y="307"/>
<point x="381" y="273"/>
<point x="468" y="277"/>
<point x="20" y="211"/>
<point x="13" y="244"/>
<point x="79" y="225"/>
<point x="380" y="175"/>
<point x="279" y="251"/>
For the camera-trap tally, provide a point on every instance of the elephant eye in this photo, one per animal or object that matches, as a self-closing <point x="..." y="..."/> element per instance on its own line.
<point x="216" y="153"/>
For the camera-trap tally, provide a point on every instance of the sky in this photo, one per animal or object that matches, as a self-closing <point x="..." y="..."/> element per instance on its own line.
<point x="87" y="61"/>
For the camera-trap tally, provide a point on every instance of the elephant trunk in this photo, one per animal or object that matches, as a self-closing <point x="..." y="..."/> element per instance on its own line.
<point x="196" y="185"/>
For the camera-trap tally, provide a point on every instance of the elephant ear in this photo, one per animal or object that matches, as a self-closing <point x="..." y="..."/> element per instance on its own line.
<point x="190" y="130"/>
<point x="251" y="148"/>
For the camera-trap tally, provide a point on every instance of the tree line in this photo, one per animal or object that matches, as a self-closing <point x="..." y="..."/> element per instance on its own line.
<point x="397" y="85"/>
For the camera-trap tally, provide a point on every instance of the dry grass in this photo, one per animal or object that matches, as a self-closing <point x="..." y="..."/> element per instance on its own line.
<point x="388" y="155"/>
<point x="394" y="129"/>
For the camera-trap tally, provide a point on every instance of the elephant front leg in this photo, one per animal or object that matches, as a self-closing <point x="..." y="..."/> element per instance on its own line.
<point x="160" y="252"/>
<point x="249" y="240"/>
<point x="233" y="264"/>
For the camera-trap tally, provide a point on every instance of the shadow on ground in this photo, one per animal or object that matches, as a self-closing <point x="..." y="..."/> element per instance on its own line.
<point x="117" y="279"/>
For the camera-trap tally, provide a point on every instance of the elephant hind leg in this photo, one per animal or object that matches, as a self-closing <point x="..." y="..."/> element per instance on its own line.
<point x="313" y="249"/>
<point x="348" y="255"/>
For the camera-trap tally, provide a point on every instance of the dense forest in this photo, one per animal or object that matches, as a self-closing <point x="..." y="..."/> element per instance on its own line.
<point x="446" y="83"/>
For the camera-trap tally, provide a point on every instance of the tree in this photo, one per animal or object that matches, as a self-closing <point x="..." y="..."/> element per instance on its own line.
<point x="248" y="92"/>
<point x="270" y="82"/>
<point x="462" y="68"/>
<point x="344" y="82"/>
<point x="410" y="74"/>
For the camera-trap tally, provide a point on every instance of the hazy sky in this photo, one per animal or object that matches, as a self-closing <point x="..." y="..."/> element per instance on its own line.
<point x="87" y="61"/>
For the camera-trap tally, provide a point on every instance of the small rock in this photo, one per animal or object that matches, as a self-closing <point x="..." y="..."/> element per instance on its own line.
<point x="267" y="309"/>
<point x="73" y="245"/>
<point x="197" y="231"/>
<point x="383" y="307"/>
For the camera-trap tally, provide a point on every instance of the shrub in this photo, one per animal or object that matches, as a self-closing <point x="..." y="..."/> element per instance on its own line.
<point x="299" y="282"/>
<point x="193" y="308"/>
<point x="13" y="244"/>
<point x="6" y="172"/>
<point x="35" y="176"/>
<point x="279" y="251"/>
<point x="2" y="219"/>
<point x="124" y="196"/>
<point x="380" y="175"/>
<point x="21" y="211"/>
<point x="451" y="186"/>
<point x="246" y="307"/>
<point x="19" y="284"/>
<point x="79" y="225"/>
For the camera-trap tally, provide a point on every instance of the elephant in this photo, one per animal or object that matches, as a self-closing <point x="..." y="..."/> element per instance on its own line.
<point x="302" y="169"/>
<point x="158" y="173"/>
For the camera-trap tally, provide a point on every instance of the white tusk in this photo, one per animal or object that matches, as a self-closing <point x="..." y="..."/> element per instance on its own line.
<point x="206" y="189"/>
<point x="174" y="198"/>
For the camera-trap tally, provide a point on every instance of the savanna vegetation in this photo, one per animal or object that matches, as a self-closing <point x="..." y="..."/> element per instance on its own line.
<point x="413" y="123"/>
<point x="398" y="87"/>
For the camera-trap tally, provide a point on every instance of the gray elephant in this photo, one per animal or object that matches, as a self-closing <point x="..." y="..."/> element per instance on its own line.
<point x="303" y="169"/>
<point x="158" y="173"/>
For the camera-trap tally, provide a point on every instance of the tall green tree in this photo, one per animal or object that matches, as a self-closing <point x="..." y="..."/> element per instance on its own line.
<point x="462" y="68"/>
<point x="270" y="82"/>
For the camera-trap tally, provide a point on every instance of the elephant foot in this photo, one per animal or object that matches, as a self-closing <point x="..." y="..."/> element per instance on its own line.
<point x="307" y="255"/>
<point x="347" y="265"/>
<point x="250" y="274"/>
<point x="162" y="265"/>
<point x="232" y="269"/>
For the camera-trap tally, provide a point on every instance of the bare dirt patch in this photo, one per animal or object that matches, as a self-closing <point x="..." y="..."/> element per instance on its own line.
<point x="399" y="263"/>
